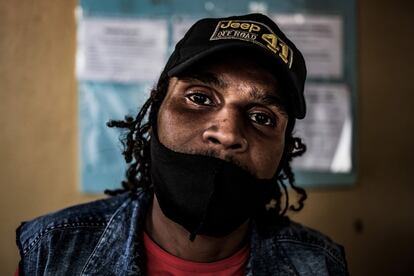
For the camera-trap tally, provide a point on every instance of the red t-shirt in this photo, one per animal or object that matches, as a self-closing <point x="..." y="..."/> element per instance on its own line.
<point x="160" y="262"/>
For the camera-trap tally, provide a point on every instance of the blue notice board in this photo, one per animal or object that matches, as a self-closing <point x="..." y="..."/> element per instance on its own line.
<point x="112" y="84"/>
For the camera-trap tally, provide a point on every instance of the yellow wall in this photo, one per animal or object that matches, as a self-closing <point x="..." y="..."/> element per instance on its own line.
<point x="38" y="141"/>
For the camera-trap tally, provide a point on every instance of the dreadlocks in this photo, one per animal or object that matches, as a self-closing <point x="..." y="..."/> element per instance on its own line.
<point x="136" y="142"/>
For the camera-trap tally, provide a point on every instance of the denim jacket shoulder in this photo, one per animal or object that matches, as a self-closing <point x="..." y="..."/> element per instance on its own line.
<point x="104" y="238"/>
<point x="60" y="243"/>
<point x="296" y="250"/>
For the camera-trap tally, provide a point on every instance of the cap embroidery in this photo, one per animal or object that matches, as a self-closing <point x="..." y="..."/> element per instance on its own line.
<point x="255" y="32"/>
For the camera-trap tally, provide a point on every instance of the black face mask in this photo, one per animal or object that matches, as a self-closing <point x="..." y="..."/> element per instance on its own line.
<point x="207" y="195"/>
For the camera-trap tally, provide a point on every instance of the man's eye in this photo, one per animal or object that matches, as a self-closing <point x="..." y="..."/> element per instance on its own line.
<point x="200" y="99"/>
<point x="261" y="119"/>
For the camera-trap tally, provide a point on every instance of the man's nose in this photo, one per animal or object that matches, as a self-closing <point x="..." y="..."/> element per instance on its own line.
<point x="227" y="132"/>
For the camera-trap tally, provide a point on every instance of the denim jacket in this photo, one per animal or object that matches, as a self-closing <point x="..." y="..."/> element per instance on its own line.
<point x="104" y="238"/>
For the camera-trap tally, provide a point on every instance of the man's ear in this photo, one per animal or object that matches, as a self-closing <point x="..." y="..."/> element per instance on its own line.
<point x="299" y="147"/>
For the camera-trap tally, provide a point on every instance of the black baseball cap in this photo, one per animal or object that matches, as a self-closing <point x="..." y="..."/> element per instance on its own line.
<point x="253" y="33"/>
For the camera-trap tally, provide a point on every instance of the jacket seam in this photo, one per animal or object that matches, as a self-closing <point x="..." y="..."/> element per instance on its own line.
<point x="89" y="261"/>
<point x="331" y="253"/>
<point x="42" y="234"/>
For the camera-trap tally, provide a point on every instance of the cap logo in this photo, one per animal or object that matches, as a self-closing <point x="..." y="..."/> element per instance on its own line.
<point x="254" y="32"/>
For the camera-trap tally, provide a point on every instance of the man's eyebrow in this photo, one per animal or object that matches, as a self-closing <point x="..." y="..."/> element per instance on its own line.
<point x="205" y="77"/>
<point x="268" y="98"/>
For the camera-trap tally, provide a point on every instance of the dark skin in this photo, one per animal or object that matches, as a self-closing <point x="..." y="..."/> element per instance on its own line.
<point x="231" y="110"/>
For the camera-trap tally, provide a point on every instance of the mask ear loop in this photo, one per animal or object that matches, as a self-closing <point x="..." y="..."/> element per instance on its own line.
<point x="289" y="147"/>
<point x="285" y="191"/>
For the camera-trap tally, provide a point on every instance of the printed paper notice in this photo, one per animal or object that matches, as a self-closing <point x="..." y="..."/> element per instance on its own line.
<point x="319" y="38"/>
<point x="326" y="129"/>
<point x="121" y="50"/>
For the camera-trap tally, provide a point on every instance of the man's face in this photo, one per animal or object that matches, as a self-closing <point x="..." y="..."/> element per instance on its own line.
<point x="228" y="109"/>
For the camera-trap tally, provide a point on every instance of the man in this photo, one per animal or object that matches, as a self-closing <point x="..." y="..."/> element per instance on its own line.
<point x="203" y="190"/>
